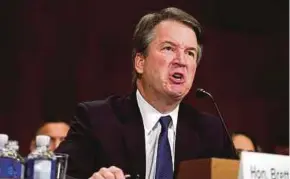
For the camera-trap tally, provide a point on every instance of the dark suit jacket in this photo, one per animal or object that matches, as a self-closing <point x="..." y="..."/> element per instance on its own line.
<point x="110" y="132"/>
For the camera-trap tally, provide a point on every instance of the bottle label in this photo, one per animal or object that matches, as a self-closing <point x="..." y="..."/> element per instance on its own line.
<point x="10" y="168"/>
<point x="40" y="169"/>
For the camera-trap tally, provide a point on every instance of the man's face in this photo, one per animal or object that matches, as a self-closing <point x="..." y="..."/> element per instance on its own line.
<point x="57" y="132"/>
<point x="169" y="68"/>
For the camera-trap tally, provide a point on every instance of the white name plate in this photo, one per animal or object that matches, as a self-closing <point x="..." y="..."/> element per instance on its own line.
<point x="264" y="166"/>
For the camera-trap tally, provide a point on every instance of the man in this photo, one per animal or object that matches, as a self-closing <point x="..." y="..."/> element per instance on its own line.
<point x="243" y="142"/>
<point x="150" y="131"/>
<point x="56" y="130"/>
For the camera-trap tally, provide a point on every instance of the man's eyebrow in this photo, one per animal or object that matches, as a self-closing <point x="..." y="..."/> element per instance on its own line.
<point x="173" y="44"/>
<point x="168" y="42"/>
<point x="192" y="48"/>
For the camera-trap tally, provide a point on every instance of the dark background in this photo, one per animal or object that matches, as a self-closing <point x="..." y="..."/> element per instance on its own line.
<point x="55" y="53"/>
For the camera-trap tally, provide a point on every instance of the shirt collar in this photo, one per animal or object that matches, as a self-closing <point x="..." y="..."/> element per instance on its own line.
<point x="150" y="115"/>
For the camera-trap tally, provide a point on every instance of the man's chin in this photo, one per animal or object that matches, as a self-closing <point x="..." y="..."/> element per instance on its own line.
<point x="177" y="95"/>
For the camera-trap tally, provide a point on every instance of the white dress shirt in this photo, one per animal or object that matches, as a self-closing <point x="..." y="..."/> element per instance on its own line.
<point x="152" y="130"/>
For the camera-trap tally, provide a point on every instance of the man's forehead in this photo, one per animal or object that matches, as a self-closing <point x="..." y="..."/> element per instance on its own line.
<point x="53" y="127"/>
<point x="175" y="32"/>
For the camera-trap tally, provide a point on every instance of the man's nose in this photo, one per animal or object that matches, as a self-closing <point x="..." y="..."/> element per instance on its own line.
<point x="180" y="57"/>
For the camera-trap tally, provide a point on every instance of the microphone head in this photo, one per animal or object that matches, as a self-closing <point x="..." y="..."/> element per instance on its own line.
<point x="201" y="93"/>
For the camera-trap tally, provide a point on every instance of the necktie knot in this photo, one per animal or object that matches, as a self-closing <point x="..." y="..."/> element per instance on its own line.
<point x="165" y="121"/>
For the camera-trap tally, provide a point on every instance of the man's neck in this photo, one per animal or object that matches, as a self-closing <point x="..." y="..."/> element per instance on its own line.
<point x="161" y="104"/>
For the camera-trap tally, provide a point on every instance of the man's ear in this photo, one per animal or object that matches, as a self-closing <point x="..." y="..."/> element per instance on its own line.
<point x="139" y="63"/>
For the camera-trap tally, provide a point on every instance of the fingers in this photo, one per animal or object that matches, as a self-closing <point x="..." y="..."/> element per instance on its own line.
<point x="96" y="175"/>
<point x="117" y="172"/>
<point x="109" y="173"/>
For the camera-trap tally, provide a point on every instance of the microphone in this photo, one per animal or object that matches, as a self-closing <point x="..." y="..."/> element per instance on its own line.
<point x="201" y="93"/>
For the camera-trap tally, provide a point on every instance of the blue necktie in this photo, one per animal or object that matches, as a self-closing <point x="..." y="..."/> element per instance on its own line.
<point x="164" y="168"/>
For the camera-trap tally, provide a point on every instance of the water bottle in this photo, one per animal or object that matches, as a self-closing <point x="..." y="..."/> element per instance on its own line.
<point x="10" y="166"/>
<point x="40" y="163"/>
<point x="13" y="148"/>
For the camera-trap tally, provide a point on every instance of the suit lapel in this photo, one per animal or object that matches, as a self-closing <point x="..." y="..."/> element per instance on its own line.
<point x="134" y="137"/>
<point x="187" y="140"/>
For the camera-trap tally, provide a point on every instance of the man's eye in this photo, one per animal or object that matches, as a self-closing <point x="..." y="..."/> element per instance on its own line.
<point x="191" y="53"/>
<point x="168" y="48"/>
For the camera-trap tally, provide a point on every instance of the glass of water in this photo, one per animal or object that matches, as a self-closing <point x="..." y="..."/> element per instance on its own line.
<point x="61" y="165"/>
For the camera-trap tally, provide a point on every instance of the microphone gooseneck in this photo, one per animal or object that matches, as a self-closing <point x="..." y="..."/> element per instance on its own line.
<point x="201" y="93"/>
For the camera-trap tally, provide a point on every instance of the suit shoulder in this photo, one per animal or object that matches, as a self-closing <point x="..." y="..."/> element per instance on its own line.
<point x="199" y="118"/>
<point x="109" y="108"/>
<point x="191" y="111"/>
<point x="96" y="104"/>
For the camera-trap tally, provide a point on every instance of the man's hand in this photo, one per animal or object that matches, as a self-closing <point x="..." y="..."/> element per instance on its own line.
<point x="109" y="173"/>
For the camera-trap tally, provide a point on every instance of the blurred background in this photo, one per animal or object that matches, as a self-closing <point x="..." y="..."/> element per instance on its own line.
<point x="55" y="54"/>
